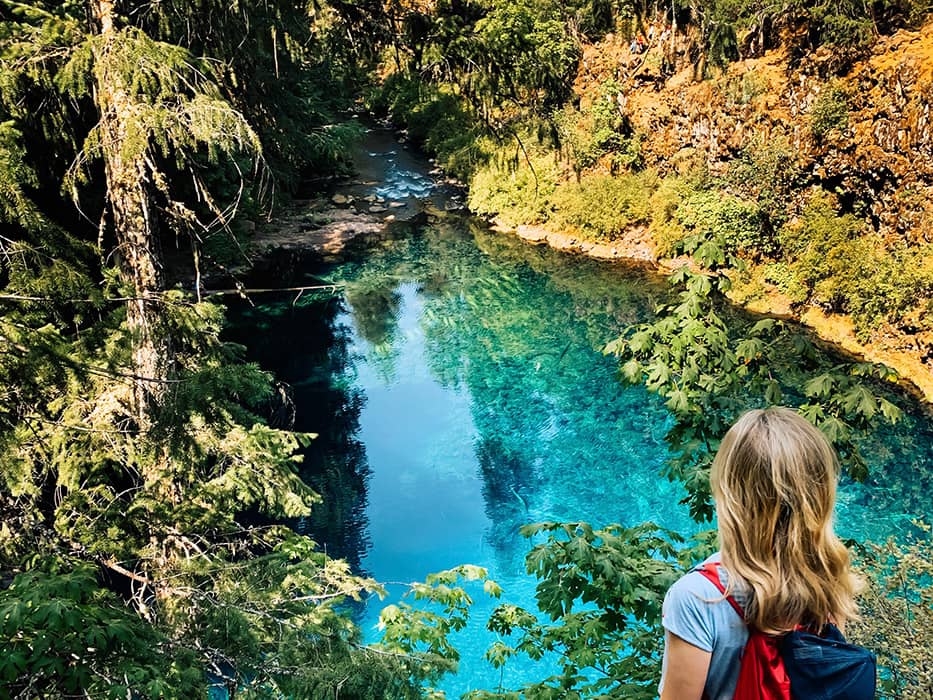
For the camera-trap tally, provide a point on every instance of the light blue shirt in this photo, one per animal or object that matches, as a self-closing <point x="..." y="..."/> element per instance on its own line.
<point x="696" y="611"/>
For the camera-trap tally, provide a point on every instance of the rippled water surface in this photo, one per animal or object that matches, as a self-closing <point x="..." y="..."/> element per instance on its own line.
<point x="459" y="389"/>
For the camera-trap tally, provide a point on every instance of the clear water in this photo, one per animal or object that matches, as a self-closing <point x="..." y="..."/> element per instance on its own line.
<point x="459" y="389"/>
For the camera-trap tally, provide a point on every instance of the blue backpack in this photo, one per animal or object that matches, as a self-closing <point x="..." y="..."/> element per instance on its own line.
<point x="826" y="667"/>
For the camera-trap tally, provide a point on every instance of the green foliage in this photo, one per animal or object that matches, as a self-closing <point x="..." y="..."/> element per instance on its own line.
<point x="495" y="68"/>
<point x="665" y="228"/>
<point x="829" y="113"/>
<point x="62" y="635"/>
<point x="844" y="268"/>
<point x="768" y="170"/>
<point x="595" y="18"/>
<point x="782" y="276"/>
<point x="825" y="248"/>
<point x="418" y="634"/>
<point x="586" y="136"/>
<point x="710" y="371"/>
<point x="897" y="613"/>
<point x="844" y="24"/>
<point x="288" y="70"/>
<point x="719" y="215"/>
<point x="743" y="89"/>
<point x="599" y="596"/>
<point x="516" y="190"/>
<point x="604" y="206"/>
<point x="530" y="56"/>
<point x="164" y="574"/>
<point x="892" y="286"/>
<point x="438" y="120"/>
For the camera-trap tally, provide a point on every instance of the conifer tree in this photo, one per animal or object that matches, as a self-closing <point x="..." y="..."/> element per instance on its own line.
<point x="132" y="440"/>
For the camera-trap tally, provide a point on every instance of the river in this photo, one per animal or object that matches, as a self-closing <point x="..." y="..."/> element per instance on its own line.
<point x="458" y="386"/>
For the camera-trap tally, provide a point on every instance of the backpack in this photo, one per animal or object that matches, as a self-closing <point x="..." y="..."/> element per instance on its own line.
<point x="799" y="665"/>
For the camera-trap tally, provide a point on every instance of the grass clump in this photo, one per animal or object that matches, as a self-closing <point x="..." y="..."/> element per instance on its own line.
<point x="829" y="113"/>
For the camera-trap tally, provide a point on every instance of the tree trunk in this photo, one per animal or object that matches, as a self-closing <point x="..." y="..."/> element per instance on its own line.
<point x="133" y="219"/>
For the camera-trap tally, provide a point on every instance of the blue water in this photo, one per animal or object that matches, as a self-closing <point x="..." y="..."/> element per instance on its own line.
<point x="460" y="391"/>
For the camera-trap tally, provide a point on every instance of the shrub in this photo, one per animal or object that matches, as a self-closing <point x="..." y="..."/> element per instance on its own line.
<point x="682" y="208"/>
<point x="527" y="52"/>
<point x="665" y="228"/>
<point x="890" y="285"/>
<point x="846" y="269"/>
<point x="824" y="249"/>
<point x="829" y="112"/>
<point x="589" y="134"/>
<point x="898" y="598"/>
<point x="516" y="190"/>
<point x="767" y="169"/>
<point x="715" y="214"/>
<point x="603" y="206"/>
<point x="742" y="89"/>
<point x="782" y="276"/>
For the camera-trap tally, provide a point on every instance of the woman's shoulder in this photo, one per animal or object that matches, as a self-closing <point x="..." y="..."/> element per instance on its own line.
<point x="693" y="584"/>
<point x="691" y="610"/>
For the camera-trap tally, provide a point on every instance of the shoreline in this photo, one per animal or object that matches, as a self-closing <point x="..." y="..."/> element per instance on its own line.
<point x="834" y="330"/>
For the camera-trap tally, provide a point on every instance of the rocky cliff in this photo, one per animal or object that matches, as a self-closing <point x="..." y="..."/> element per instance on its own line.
<point x="864" y="134"/>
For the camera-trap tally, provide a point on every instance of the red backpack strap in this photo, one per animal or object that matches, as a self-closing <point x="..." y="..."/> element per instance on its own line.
<point x="710" y="571"/>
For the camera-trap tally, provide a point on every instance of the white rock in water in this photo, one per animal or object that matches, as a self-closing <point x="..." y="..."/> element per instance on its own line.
<point x="396" y="205"/>
<point x="376" y="209"/>
<point x="340" y="199"/>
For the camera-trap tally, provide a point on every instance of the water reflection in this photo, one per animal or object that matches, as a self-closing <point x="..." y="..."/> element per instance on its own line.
<point x="308" y="347"/>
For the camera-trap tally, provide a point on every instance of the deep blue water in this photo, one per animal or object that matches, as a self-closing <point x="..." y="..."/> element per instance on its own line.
<point x="459" y="388"/>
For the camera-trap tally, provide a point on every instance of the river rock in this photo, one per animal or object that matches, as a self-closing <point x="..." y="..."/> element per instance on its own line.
<point x="533" y="234"/>
<point x="396" y="205"/>
<point x="340" y="199"/>
<point x="376" y="209"/>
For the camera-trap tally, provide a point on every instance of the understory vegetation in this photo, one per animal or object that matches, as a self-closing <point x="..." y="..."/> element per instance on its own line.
<point x="144" y="475"/>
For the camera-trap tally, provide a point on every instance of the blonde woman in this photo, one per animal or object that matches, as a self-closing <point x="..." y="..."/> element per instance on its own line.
<point x="774" y="486"/>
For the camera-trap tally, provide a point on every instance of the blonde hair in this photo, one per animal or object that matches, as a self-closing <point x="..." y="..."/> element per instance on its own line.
<point x="774" y="483"/>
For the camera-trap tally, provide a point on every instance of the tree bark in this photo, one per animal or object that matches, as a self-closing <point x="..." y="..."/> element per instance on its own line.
<point x="133" y="219"/>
